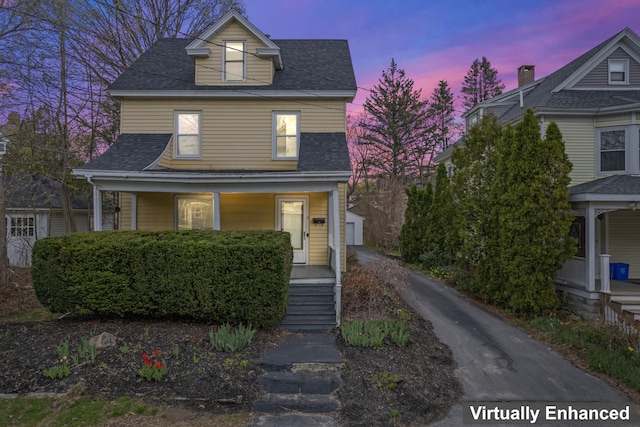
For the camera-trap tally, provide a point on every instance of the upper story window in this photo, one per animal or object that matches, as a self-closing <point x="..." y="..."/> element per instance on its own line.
<point x="618" y="71"/>
<point x="234" y="62"/>
<point x="612" y="144"/>
<point x="187" y="135"/>
<point x="286" y="134"/>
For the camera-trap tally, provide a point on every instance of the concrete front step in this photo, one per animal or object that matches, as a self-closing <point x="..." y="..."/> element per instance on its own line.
<point x="309" y="403"/>
<point x="293" y="420"/>
<point x="311" y="326"/>
<point x="306" y="307"/>
<point x="300" y="382"/>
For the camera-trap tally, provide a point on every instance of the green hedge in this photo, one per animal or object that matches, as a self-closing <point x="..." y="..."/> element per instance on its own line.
<point x="216" y="276"/>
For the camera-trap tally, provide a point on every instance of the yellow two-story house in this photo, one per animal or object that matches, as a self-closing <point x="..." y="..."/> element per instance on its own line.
<point x="233" y="130"/>
<point x="595" y="100"/>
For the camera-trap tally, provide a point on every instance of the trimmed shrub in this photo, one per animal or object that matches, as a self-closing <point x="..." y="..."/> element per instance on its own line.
<point x="218" y="276"/>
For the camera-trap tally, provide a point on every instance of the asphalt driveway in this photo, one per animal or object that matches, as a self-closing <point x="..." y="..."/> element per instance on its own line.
<point x="498" y="362"/>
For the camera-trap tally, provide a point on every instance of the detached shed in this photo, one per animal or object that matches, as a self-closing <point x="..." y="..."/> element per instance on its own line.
<point x="354" y="229"/>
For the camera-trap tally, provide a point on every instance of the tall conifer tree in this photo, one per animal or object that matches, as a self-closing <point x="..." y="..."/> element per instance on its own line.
<point x="534" y="216"/>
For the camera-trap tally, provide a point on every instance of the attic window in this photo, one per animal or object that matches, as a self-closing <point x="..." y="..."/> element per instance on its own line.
<point x="234" y="61"/>
<point x="618" y="72"/>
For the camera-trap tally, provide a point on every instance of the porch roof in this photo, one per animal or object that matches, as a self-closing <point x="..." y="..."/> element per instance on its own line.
<point x="613" y="188"/>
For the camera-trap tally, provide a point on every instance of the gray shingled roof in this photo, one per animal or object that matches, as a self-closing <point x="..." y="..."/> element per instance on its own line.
<point x="614" y="184"/>
<point x="319" y="152"/>
<point x="131" y="152"/>
<point x="308" y="65"/>
<point x="33" y="191"/>
<point x="323" y="152"/>
<point x="543" y="97"/>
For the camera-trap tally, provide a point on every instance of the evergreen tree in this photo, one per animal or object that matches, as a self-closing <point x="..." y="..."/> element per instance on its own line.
<point x="440" y="112"/>
<point x="411" y="238"/>
<point x="396" y="126"/>
<point x="475" y="167"/>
<point x="440" y="234"/>
<point x="534" y="218"/>
<point x="480" y="83"/>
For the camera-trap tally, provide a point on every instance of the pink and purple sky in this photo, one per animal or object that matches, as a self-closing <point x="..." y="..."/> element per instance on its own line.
<point x="436" y="40"/>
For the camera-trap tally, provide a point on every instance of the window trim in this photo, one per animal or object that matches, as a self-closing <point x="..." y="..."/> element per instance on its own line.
<point x="176" y="135"/>
<point x="187" y="196"/>
<point x="21" y="226"/>
<point x="244" y="61"/>
<point x="274" y="136"/>
<point x="599" y="132"/>
<point x="625" y="63"/>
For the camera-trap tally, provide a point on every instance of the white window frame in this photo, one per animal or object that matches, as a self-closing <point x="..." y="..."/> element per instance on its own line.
<point x="274" y="136"/>
<point x="625" y="65"/>
<point x="22" y="226"/>
<point x="176" y="135"/>
<point x="242" y="78"/>
<point x="632" y="149"/>
<point x="204" y="197"/>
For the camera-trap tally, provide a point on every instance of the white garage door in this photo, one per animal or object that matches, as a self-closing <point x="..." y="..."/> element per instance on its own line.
<point x="350" y="233"/>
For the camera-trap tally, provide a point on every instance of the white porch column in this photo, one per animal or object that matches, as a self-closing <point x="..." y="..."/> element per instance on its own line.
<point x="590" y="220"/>
<point x="97" y="209"/>
<point x="605" y="284"/>
<point x="134" y="211"/>
<point x="216" y="211"/>
<point x="335" y="196"/>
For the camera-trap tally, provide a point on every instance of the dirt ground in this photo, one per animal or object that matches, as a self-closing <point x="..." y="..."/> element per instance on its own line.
<point x="201" y="383"/>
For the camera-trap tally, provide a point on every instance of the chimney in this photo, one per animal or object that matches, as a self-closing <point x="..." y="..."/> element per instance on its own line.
<point x="526" y="74"/>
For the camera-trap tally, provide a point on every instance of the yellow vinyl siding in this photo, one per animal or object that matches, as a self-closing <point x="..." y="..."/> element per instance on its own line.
<point x="156" y="211"/>
<point x="579" y="142"/>
<point x="125" y="211"/>
<point x="624" y="239"/>
<point x="236" y="134"/>
<point x="613" y="120"/>
<point x="259" y="71"/>
<point x="247" y="211"/>
<point x="318" y="233"/>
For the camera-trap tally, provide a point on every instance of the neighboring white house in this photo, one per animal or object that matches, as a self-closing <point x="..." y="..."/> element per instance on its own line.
<point x="355" y="225"/>
<point x="33" y="211"/>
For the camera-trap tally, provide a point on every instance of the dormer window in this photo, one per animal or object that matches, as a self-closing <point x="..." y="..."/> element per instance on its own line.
<point x="618" y="72"/>
<point x="234" y="61"/>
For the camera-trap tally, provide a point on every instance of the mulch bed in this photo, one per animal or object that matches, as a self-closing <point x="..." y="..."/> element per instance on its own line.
<point x="203" y="381"/>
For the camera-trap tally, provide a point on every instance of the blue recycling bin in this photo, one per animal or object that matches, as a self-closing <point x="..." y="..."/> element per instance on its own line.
<point x="619" y="271"/>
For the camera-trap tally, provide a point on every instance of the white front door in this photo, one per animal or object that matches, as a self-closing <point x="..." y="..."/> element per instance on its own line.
<point x="292" y="216"/>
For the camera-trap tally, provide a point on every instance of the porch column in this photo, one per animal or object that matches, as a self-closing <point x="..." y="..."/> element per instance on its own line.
<point x="335" y="196"/>
<point x="591" y="248"/>
<point x="134" y="211"/>
<point x="97" y="209"/>
<point x="216" y="211"/>
<point x="605" y="284"/>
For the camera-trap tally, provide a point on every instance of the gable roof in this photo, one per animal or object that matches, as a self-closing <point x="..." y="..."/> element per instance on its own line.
<point x="200" y="46"/>
<point x="554" y="92"/>
<point x="33" y="191"/>
<point x="312" y="65"/>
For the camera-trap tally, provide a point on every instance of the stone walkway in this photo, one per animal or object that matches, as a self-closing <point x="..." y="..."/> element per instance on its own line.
<point x="302" y="375"/>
